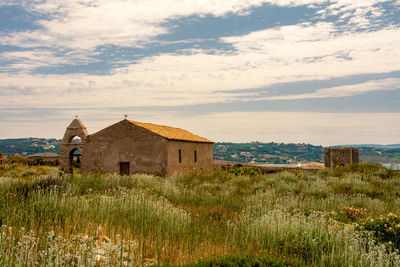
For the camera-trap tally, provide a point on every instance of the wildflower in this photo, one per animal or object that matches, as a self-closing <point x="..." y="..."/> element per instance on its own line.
<point x="371" y="219"/>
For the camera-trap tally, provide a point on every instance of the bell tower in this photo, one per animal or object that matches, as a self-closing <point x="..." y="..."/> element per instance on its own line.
<point x="69" y="147"/>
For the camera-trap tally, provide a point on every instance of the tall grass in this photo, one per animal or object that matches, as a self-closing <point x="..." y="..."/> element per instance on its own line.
<point x="182" y="219"/>
<point x="24" y="248"/>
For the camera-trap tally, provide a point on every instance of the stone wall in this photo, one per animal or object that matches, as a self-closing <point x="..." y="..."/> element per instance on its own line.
<point x="124" y="142"/>
<point x="204" y="156"/>
<point x="341" y="156"/>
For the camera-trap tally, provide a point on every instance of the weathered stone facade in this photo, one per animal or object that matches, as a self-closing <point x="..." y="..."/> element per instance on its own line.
<point x="68" y="148"/>
<point x="3" y="158"/>
<point x="133" y="147"/>
<point x="341" y="156"/>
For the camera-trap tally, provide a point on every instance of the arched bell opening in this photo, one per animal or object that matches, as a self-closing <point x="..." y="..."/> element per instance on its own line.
<point x="76" y="139"/>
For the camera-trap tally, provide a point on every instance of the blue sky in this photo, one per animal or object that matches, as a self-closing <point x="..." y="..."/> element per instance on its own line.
<point x="314" y="71"/>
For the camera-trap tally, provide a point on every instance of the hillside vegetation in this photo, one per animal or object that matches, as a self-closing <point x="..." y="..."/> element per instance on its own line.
<point x="29" y="146"/>
<point x="280" y="153"/>
<point x="255" y="152"/>
<point x="338" y="217"/>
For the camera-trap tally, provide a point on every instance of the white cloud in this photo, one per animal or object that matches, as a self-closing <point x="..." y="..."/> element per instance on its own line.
<point x="263" y="58"/>
<point x="79" y="27"/>
<point x="32" y="59"/>
<point x="74" y="29"/>
<point x="318" y="51"/>
<point x="9" y="2"/>
<point x="346" y="90"/>
<point x="80" y="24"/>
<point x="85" y="25"/>
<point x="361" y="14"/>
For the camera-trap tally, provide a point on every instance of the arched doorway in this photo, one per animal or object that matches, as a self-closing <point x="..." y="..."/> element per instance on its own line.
<point x="75" y="156"/>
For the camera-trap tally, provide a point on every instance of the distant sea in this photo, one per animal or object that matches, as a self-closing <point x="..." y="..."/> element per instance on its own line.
<point x="391" y="166"/>
<point x="280" y="165"/>
<point x="386" y="165"/>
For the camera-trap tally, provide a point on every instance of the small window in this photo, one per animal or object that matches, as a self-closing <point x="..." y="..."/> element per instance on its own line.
<point x="180" y="156"/>
<point x="195" y="156"/>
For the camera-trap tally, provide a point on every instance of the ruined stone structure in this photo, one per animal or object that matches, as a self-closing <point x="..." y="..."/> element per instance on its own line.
<point x="3" y="158"/>
<point x="134" y="147"/>
<point x="340" y="156"/>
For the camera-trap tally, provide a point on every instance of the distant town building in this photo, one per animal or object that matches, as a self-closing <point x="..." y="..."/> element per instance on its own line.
<point x="135" y="147"/>
<point x="341" y="156"/>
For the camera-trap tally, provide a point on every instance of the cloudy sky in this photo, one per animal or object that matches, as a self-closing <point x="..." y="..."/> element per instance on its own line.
<point x="313" y="71"/>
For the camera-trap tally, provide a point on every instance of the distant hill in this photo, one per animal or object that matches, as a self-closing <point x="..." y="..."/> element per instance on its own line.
<point x="373" y="145"/>
<point x="29" y="146"/>
<point x="254" y="152"/>
<point x="279" y="153"/>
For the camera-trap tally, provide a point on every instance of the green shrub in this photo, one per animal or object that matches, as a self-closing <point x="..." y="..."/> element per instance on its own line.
<point x="385" y="228"/>
<point x="351" y="214"/>
<point x="241" y="260"/>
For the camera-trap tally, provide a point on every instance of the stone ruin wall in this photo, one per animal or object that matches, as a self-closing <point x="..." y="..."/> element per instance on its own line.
<point x="341" y="156"/>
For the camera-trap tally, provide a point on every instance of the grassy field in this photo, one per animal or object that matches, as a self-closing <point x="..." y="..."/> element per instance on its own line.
<point x="339" y="217"/>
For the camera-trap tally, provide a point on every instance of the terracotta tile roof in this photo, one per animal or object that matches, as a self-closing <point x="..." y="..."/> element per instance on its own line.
<point x="171" y="133"/>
